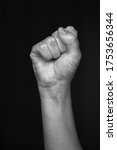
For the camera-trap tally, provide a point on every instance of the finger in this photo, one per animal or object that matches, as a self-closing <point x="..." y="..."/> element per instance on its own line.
<point x="61" y="45"/>
<point x="69" y="39"/>
<point x="72" y="44"/>
<point x="72" y="30"/>
<point x="53" y="47"/>
<point x="66" y="36"/>
<point x="44" y="51"/>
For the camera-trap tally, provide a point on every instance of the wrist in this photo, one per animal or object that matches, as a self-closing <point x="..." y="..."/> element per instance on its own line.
<point x="55" y="93"/>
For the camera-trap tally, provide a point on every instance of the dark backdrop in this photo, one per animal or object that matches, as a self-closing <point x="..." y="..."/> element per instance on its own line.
<point x="27" y="24"/>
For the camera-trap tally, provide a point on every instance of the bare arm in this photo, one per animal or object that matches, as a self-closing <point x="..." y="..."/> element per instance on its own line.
<point x="58" y="123"/>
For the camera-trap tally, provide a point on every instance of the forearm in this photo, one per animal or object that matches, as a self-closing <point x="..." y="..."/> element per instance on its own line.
<point x="56" y="59"/>
<point x="58" y="123"/>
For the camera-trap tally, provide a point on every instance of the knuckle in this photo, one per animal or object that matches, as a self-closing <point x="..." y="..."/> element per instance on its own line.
<point x="43" y="46"/>
<point x="31" y="54"/>
<point x="32" y="51"/>
<point x="34" y="47"/>
<point x="51" y="39"/>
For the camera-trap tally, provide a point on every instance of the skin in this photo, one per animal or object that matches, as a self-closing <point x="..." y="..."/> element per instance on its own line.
<point x="55" y="60"/>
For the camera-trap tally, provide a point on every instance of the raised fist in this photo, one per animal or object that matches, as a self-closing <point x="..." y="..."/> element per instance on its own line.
<point x="56" y="58"/>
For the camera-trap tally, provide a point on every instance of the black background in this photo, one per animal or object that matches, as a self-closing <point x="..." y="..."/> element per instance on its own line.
<point x="26" y="24"/>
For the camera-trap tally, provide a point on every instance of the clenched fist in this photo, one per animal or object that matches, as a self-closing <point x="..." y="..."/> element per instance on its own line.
<point x="56" y="58"/>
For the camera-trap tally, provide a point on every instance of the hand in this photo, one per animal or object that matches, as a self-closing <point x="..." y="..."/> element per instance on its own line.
<point x="56" y="58"/>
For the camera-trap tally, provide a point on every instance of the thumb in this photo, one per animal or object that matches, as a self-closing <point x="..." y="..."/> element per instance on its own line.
<point x="69" y="37"/>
